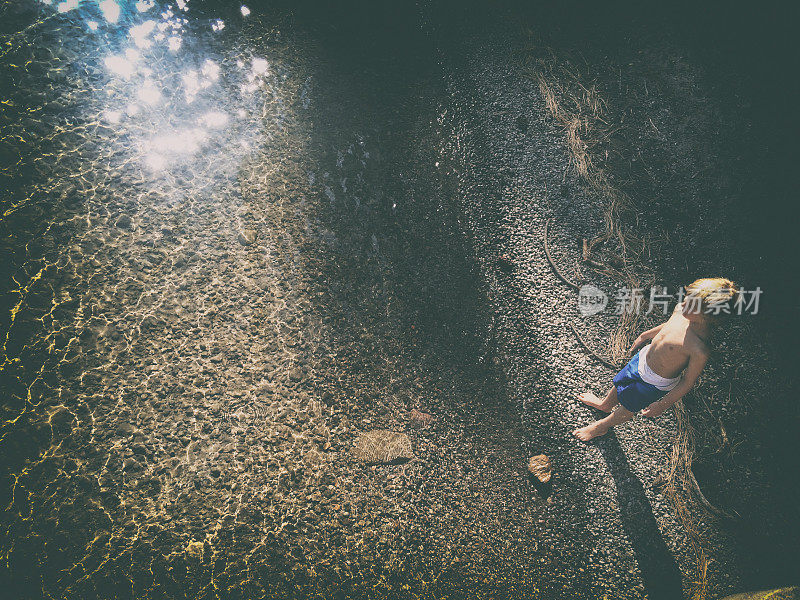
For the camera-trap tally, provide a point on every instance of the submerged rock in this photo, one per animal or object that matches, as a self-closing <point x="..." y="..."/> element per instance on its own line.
<point x="383" y="447"/>
<point x="539" y="466"/>
<point x="194" y="550"/>
<point x="417" y="418"/>
<point x="247" y="237"/>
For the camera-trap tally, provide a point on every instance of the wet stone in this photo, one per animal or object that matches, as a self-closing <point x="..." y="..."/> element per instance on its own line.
<point x="247" y="237"/>
<point x="194" y="550"/>
<point x="382" y="446"/>
<point x="417" y="418"/>
<point x="131" y="465"/>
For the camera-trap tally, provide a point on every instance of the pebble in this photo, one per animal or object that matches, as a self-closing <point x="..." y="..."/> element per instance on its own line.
<point x="540" y="467"/>
<point x="247" y="237"/>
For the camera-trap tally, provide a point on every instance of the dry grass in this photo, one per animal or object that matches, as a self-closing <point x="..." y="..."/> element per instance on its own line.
<point x="678" y="488"/>
<point x="582" y="113"/>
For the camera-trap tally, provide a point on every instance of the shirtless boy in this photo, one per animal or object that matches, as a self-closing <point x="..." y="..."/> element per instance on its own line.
<point x="651" y="382"/>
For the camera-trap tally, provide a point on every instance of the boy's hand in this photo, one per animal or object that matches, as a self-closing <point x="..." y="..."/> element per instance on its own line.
<point x="639" y="341"/>
<point x="654" y="410"/>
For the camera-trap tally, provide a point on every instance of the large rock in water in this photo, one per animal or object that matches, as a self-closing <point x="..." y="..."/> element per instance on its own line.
<point x="383" y="447"/>
<point x="789" y="593"/>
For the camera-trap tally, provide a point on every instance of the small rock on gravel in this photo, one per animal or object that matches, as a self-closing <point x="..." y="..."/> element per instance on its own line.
<point x="505" y="263"/>
<point x="194" y="550"/>
<point x="539" y="466"/>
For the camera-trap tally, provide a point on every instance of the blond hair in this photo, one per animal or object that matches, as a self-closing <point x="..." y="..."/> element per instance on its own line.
<point x="715" y="295"/>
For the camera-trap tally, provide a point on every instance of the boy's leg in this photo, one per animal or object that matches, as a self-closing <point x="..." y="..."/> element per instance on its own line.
<point x="598" y="428"/>
<point x="606" y="404"/>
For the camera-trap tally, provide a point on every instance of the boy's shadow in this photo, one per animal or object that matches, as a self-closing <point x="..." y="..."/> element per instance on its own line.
<point x="660" y="573"/>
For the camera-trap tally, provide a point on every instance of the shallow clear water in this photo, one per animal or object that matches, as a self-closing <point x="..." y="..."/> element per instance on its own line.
<point x="225" y="253"/>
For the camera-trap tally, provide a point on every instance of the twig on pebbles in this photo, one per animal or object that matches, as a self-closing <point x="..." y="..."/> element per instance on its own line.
<point x="588" y="350"/>
<point x="556" y="270"/>
<point x="573" y="285"/>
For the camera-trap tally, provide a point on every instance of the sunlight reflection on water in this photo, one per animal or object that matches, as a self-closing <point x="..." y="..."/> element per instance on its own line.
<point x="172" y="94"/>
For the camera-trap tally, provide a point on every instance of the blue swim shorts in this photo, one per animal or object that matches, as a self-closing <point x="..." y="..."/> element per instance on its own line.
<point x="633" y="392"/>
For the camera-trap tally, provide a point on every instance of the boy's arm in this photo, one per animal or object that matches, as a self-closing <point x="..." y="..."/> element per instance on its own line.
<point x="645" y="337"/>
<point x="696" y="363"/>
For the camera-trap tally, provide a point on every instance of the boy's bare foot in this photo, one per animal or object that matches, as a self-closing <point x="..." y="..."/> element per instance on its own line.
<point x="590" y="432"/>
<point x="590" y="399"/>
